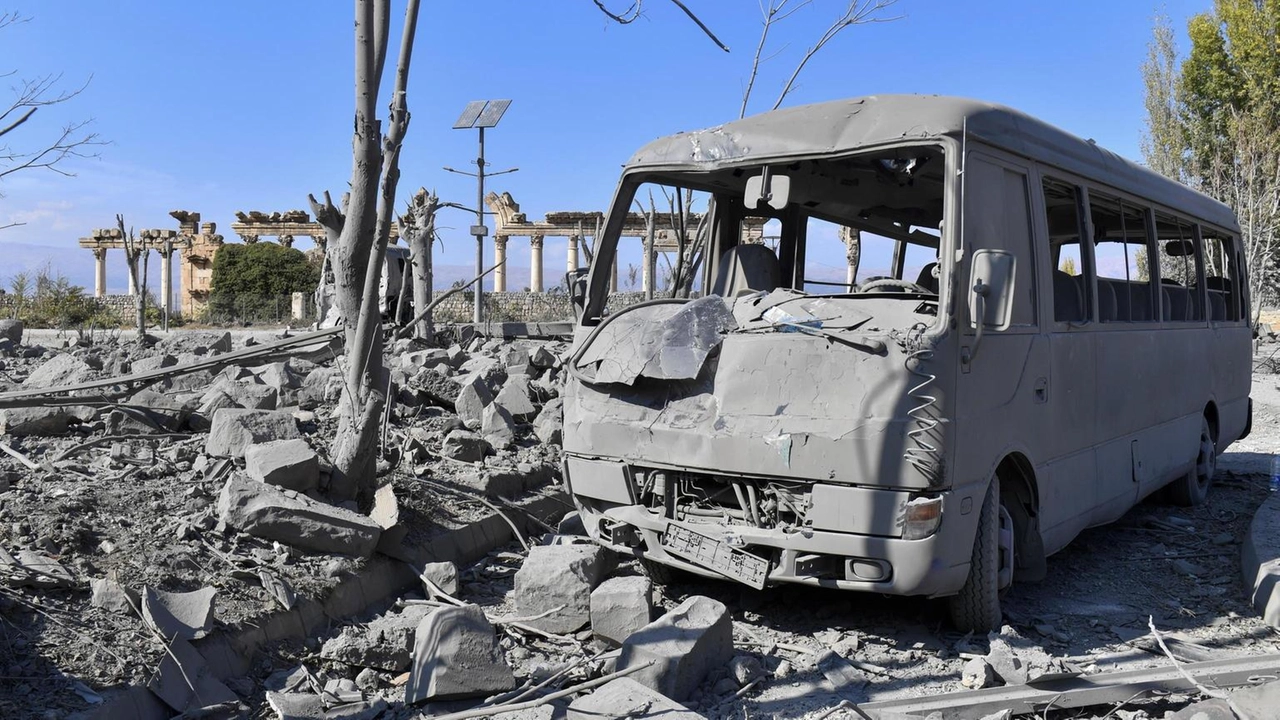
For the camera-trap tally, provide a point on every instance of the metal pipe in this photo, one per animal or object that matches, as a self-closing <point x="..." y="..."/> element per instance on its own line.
<point x="478" y="307"/>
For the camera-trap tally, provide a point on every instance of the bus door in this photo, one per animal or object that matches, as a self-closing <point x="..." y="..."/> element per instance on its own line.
<point x="1002" y="380"/>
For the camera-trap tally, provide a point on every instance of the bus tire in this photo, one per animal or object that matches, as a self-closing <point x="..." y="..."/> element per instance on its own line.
<point x="976" y="608"/>
<point x="659" y="573"/>
<point x="1193" y="488"/>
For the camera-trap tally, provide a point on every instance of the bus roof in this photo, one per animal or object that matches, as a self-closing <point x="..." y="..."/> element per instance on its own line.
<point x="843" y="126"/>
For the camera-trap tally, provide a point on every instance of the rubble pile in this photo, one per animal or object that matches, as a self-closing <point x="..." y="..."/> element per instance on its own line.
<point x="174" y="550"/>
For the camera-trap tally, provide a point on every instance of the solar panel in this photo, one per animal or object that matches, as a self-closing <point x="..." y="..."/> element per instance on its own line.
<point x="469" y="114"/>
<point x="492" y="113"/>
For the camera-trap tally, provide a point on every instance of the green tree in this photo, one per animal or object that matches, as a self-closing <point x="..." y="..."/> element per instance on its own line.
<point x="252" y="282"/>
<point x="1213" y="121"/>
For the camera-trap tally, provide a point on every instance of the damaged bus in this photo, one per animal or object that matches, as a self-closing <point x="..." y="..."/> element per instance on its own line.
<point x="964" y="337"/>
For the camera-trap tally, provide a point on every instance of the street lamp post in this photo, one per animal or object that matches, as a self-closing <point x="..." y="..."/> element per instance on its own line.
<point x="480" y="114"/>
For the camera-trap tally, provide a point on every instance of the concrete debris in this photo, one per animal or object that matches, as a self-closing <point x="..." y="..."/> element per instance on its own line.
<point x="386" y="513"/>
<point x="549" y="424"/>
<point x="234" y="430"/>
<point x="321" y="386"/>
<point x="542" y="357"/>
<point x="620" y="606"/>
<point x="626" y="698"/>
<point x="114" y="597"/>
<point x="686" y="644"/>
<point x="1005" y="663"/>
<point x="842" y="676"/>
<point x="187" y="616"/>
<point x="559" y="576"/>
<point x="44" y="421"/>
<point x="155" y="362"/>
<point x="290" y="464"/>
<point x="64" y="369"/>
<point x="497" y="426"/>
<point x="514" y="396"/>
<point x="443" y="575"/>
<point x="285" y="516"/>
<point x="977" y="674"/>
<point x="466" y="446"/>
<point x="185" y="683"/>
<point x="278" y="588"/>
<point x="36" y="569"/>
<point x="11" y="330"/>
<point x="309" y="706"/>
<point x="746" y="669"/>
<point x="456" y="655"/>
<point x="472" y="399"/>
<point x="1260" y="560"/>
<point x="571" y="524"/>
<point x="384" y="643"/>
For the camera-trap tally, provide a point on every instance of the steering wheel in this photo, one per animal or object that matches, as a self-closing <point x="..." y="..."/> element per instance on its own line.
<point x="894" y="284"/>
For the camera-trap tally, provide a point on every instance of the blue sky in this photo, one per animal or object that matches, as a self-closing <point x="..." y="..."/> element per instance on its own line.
<point x="225" y="106"/>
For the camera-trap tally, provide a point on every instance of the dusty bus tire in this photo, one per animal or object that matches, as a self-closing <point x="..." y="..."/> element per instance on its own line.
<point x="1193" y="488"/>
<point x="977" y="606"/>
<point x="661" y="574"/>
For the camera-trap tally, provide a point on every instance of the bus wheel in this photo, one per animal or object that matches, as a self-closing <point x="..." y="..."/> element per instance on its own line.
<point x="977" y="606"/>
<point x="1193" y="488"/>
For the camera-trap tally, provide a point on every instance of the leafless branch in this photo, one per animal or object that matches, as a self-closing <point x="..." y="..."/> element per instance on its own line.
<point x="857" y="12"/>
<point x="635" y="10"/>
<point x="774" y="13"/>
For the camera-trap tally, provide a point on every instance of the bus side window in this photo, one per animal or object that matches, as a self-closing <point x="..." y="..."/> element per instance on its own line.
<point x="1221" y="276"/>
<point x="1071" y="301"/>
<point x="1178" y="260"/>
<point x="998" y="216"/>
<point x="1122" y="258"/>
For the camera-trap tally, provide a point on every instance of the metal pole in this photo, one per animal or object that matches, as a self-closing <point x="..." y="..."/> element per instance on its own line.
<point x="478" y="310"/>
<point x="168" y="281"/>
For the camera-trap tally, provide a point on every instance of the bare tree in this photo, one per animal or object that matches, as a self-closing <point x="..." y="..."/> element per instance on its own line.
<point x="635" y="11"/>
<point x="30" y="96"/>
<point x="135" y="251"/>
<point x="356" y="243"/>
<point x="418" y="226"/>
<point x="856" y="12"/>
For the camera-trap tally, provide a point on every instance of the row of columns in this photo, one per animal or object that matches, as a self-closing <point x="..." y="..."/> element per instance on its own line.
<point x="166" y="275"/>
<point x="571" y="263"/>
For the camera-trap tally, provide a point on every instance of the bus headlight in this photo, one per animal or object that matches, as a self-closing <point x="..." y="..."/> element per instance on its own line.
<point x="924" y="514"/>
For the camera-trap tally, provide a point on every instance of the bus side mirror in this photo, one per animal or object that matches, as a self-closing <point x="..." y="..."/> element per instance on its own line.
<point x="991" y="280"/>
<point x="576" y="282"/>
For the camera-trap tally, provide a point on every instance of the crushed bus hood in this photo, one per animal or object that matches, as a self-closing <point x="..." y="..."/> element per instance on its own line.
<point x="782" y="404"/>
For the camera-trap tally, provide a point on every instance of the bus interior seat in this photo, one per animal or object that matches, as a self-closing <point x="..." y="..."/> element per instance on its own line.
<point x="926" y="278"/>
<point x="1140" y="301"/>
<point x="1108" y="307"/>
<point x="1177" y="303"/>
<point x="747" y="268"/>
<point x="1217" y="305"/>
<point x="1068" y="302"/>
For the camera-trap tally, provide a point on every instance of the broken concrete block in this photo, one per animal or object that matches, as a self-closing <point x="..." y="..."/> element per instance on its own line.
<point x="839" y="673"/>
<point x="44" y="571"/>
<point x="188" y="616"/>
<point x="472" y="399"/>
<point x="279" y="376"/>
<point x="497" y="426"/>
<point x="321" y="386"/>
<point x="65" y="369"/>
<point x="456" y="655"/>
<point x="234" y="430"/>
<point x="253" y="395"/>
<point x="155" y="362"/>
<point x="380" y="645"/>
<point x="559" y="576"/>
<point x="222" y="344"/>
<point x="977" y="674"/>
<point x="745" y="669"/>
<point x="290" y="464"/>
<point x="42" y="421"/>
<point x="542" y="357"/>
<point x="386" y="512"/>
<point x="494" y="483"/>
<point x="134" y="703"/>
<point x="514" y="396"/>
<point x="310" y="706"/>
<point x="443" y="575"/>
<point x="1260" y="560"/>
<point x="571" y="524"/>
<point x="466" y="446"/>
<point x="620" y="606"/>
<point x="686" y="644"/>
<point x="549" y="424"/>
<point x="11" y="330"/>
<point x="626" y="698"/>
<point x="1257" y="701"/>
<point x="267" y="512"/>
<point x="111" y="595"/>
<point x="185" y="683"/>
<point x="1005" y="662"/>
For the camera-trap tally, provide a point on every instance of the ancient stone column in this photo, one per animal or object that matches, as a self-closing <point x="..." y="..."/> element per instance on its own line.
<point x="285" y="240"/>
<point x="613" y="275"/>
<point x="249" y="239"/>
<point x="500" y="259"/>
<point x="100" y="272"/>
<point x="852" y="240"/>
<point x="166" y="279"/>
<point x="646" y="272"/>
<point x="572" y="263"/>
<point x="535" y="263"/>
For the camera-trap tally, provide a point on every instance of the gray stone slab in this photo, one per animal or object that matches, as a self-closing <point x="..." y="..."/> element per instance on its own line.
<point x="626" y="698"/>
<point x="234" y="430"/>
<point x="456" y="655"/>
<point x="290" y="464"/>
<point x="559" y="576"/>
<point x="283" y="515"/>
<point x="685" y="645"/>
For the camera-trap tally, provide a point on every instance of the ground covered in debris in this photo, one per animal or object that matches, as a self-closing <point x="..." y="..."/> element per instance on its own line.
<point x="135" y="526"/>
